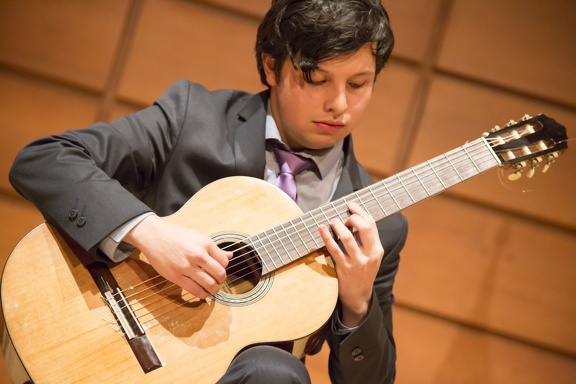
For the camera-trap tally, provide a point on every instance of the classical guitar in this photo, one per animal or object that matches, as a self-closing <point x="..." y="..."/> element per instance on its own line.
<point x="68" y="320"/>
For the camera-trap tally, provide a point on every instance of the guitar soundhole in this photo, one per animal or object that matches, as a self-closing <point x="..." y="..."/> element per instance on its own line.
<point x="244" y="282"/>
<point x="244" y="269"/>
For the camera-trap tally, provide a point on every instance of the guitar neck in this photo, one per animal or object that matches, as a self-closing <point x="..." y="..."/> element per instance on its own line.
<point x="299" y="237"/>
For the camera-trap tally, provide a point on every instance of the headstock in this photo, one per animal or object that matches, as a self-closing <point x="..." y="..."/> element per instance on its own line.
<point x="528" y="143"/>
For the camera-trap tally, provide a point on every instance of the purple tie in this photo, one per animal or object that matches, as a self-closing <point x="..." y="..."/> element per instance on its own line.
<point x="290" y="165"/>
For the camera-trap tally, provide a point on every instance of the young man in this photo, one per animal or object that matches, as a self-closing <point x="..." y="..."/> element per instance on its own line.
<point x="108" y="185"/>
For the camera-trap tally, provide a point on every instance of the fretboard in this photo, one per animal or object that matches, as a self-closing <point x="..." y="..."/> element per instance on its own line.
<point x="299" y="237"/>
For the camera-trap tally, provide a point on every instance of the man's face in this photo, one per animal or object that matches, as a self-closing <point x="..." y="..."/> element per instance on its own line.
<point x="317" y="116"/>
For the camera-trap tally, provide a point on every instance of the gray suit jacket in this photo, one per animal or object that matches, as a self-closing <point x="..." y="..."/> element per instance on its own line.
<point x="84" y="182"/>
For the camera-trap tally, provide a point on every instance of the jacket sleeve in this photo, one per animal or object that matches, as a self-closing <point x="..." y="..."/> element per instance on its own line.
<point x="86" y="181"/>
<point x="368" y="354"/>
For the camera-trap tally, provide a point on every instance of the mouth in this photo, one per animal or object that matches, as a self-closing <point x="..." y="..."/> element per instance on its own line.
<point x="327" y="125"/>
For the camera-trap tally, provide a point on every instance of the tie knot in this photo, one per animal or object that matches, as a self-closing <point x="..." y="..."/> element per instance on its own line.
<point x="292" y="163"/>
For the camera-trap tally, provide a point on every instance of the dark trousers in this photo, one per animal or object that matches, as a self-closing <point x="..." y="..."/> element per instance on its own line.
<point x="266" y="365"/>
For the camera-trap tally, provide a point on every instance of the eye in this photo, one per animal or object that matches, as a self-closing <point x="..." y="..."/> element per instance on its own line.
<point x="357" y="85"/>
<point x="318" y="82"/>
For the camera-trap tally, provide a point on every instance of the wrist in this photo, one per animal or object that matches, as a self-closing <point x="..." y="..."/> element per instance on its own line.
<point x="138" y="233"/>
<point x="353" y="316"/>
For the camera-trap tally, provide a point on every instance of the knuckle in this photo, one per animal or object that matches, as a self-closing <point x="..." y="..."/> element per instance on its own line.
<point x="221" y="277"/>
<point x="197" y="258"/>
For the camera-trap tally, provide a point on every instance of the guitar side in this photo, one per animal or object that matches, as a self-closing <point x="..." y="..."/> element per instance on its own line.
<point x="63" y="331"/>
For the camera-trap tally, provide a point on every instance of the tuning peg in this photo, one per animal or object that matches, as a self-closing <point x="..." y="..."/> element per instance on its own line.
<point x="533" y="164"/>
<point x="511" y="123"/>
<point x="517" y="174"/>
<point x="526" y="117"/>
<point x="550" y="158"/>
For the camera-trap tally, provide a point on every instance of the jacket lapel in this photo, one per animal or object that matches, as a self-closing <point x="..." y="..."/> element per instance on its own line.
<point x="249" y="136"/>
<point x="350" y="180"/>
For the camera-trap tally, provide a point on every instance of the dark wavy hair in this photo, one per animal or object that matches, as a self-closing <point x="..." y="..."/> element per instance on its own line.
<point x="312" y="31"/>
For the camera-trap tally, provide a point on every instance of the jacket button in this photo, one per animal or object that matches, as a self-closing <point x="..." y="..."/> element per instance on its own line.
<point x="72" y="214"/>
<point x="356" y="351"/>
<point x="81" y="221"/>
<point x="359" y="358"/>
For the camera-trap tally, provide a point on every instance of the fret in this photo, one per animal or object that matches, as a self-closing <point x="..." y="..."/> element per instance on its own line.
<point x="405" y="188"/>
<point x="392" y="196"/>
<point x="299" y="237"/>
<point x="377" y="201"/>
<point x="436" y="173"/>
<point x="343" y="208"/>
<point x="334" y="209"/>
<point x="466" y="167"/>
<point x="367" y="202"/>
<point x="263" y="248"/>
<point x="495" y="160"/>
<point x="326" y="217"/>
<point x="321" y="209"/>
<point x="360" y="202"/>
<point x="488" y="155"/>
<point x="471" y="159"/>
<point x="313" y="216"/>
<point x="421" y="182"/>
<point x="282" y="241"/>
<point x="343" y="200"/>
<point x="264" y="260"/>
<point x="293" y="242"/>
<point x="429" y="178"/>
<point x="308" y="230"/>
<point x="453" y="167"/>
<point x="270" y="244"/>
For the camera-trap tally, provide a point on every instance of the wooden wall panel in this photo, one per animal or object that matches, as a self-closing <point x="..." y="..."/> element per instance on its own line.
<point x="72" y="40"/>
<point x="433" y="351"/>
<point x="256" y="8"/>
<point x="178" y="39"/>
<point x="17" y="218"/>
<point x="524" y="45"/>
<point x="492" y="270"/>
<point x="458" y="112"/>
<point x="376" y="140"/>
<point x="30" y="109"/>
<point x="413" y="22"/>
<point x="485" y="291"/>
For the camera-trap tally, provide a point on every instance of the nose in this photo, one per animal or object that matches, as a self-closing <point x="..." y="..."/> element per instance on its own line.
<point x="336" y="101"/>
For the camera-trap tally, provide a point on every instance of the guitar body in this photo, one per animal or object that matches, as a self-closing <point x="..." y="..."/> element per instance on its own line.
<point x="58" y="328"/>
<point x="63" y="331"/>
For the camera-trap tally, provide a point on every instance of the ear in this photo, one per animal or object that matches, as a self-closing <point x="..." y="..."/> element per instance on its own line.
<point x="268" y="64"/>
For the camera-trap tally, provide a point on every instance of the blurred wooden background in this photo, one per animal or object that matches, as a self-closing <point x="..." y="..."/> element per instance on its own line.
<point x="487" y="285"/>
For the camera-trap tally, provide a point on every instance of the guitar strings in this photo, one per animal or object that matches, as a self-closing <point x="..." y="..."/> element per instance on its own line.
<point x="319" y="216"/>
<point x="338" y="214"/>
<point x="399" y="184"/>
<point x="396" y="185"/>
<point x="405" y="184"/>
